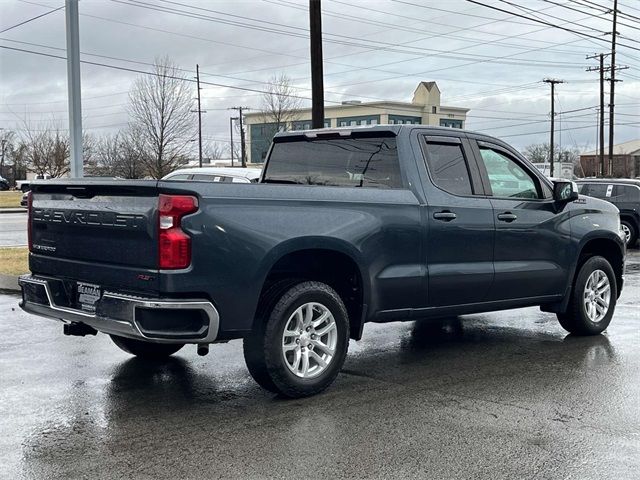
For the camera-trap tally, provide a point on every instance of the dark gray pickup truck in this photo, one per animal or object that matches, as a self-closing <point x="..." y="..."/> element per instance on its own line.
<point x="346" y="226"/>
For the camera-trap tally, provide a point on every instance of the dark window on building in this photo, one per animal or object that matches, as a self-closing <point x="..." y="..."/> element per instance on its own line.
<point x="404" y="119"/>
<point x="448" y="168"/>
<point x="451" y="123"/>
<point x="434" y="109"/>
<point x="342" y="162"/>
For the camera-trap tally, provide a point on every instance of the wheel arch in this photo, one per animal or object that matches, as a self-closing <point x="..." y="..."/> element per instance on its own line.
<point x="607" y="245"/>
<point x="332" y="261"/>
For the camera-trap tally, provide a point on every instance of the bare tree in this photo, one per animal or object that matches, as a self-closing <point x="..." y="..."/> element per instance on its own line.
<point x="280" y="103"/>
<point x="7" y="138"/>
<point x="160" y="106"/>
<point x="539" y="153"/>
<point x="119" y="155"/>
<point x="46" y="151"/>
<point x="215" y="150"/>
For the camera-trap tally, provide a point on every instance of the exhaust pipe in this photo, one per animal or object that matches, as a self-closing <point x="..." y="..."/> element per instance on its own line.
<point x="203" y="349"/>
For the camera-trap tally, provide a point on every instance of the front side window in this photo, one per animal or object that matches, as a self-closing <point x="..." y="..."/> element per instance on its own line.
<point x="448" y="168"/>
<point x="342" y="162"/>
<point x="506" y="177"/>
<point x="627" y="193"/>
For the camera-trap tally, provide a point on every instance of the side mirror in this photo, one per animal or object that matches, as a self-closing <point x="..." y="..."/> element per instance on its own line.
<point x="565" y="191"/>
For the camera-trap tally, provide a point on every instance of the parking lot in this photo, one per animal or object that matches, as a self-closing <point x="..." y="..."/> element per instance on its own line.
<point x="501" y="395"/>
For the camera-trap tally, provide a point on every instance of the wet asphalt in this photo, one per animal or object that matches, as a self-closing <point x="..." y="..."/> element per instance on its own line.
<point x="498" y="396"/>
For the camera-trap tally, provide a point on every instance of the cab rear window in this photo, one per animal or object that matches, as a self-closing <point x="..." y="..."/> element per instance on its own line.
<point x="370" y="162"/>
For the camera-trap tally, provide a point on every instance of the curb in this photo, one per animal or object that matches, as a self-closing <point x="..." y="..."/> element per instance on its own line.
<point x="13" y="210"/>
<point x="9" y="283"/>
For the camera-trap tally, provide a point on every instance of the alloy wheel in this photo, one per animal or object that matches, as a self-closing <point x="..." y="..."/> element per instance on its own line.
<point x="597" y="295"/>
<point x="309" y="340"/>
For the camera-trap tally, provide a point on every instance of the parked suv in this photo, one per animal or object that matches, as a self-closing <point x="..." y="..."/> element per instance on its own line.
<point x="623" y="193"/>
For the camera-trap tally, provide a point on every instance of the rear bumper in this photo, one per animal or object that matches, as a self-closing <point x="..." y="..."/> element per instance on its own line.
<point x="159" y="320"/>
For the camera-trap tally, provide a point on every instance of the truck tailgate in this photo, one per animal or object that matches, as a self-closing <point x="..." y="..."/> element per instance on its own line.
<point x="92" y="229"/>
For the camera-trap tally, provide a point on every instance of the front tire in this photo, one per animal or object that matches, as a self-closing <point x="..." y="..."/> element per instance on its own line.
<point x="301" y="348"/>
<point x="630" y="233"/>
<point x="146" y="350"/>
<point x="593" y="299"/>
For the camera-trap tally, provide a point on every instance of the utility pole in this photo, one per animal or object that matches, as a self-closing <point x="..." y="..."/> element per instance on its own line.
<point x="601" y="69"/>
<point x="553" y="83"/>
<point x="73" y="86"/>
<point x="243" y="151"/>
<point x="614" y="34"/>
<point x="199" y="117"/>
<point x="317" y="87"/>
<point x="231" y="119"/>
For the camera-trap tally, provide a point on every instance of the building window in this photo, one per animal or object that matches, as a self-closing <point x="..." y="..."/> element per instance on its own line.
<point x="434" y="109"/>
<point x="451" y="123"/>
<point x="409" y="120"/>
<point x="359" y="120"/>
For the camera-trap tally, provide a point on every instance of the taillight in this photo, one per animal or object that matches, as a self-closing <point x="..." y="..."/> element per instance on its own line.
<point x="174" y="245"/>
<point x="29" y="219"/>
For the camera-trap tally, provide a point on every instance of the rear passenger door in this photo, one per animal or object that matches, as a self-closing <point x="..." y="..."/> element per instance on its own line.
<point x="460" y="224"/>
<point x="532" y="231"/>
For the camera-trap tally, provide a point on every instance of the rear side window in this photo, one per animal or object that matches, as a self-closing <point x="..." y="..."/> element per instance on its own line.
<point x="448" y="168"/>
<point x="206" y="178"/>
<point x="181" y="176"/>
<point x="340" y="162"/>
<point x="598" y="190"/>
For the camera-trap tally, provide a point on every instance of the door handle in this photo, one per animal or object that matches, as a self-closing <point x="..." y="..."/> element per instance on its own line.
<point x="507" y="217"/>
<point x="445" y="216"/>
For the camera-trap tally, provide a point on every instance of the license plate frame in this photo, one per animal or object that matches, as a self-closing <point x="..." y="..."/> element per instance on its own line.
<point x="87" y="295"/>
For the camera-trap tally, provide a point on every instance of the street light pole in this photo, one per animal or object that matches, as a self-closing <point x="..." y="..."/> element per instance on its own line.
<point x="73" y="85"/>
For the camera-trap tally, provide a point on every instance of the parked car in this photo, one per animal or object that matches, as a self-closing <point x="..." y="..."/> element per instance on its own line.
<point x="216" y="174"/>
<point x="4" y="184"/>
<point x="624" y="193"/>
<point x="24" y="201"/>
<point x="348" y="226"/>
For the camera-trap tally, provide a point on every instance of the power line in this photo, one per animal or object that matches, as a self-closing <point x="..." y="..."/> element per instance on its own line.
<point x="348" y="41"/>
<point x="591" y="14"/>
<point x="31" y="19"/>
<point x="544" y="22"/>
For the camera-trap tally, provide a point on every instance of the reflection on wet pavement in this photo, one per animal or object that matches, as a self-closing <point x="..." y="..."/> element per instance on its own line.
<point x="500" y="395"/>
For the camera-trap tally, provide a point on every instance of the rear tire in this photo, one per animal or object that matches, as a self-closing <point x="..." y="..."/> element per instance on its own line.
<point x="631" y="233"/>
<point x="148" y="350"/>
<point x="302" y="346"/>
<point x="593" y="299"/>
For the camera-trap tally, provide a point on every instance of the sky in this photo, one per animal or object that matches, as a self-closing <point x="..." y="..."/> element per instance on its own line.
<point x="483" y="59"/>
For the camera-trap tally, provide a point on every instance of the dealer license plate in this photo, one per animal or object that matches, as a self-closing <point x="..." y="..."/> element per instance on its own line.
<point x="88" y="295"/>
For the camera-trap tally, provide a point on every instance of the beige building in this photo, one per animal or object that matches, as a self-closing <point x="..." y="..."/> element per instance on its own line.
<point x="626" y="161"/>
<point x="424" y="109"/>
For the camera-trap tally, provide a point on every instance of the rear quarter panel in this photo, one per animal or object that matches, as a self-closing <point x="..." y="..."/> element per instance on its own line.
<point x="241" y="230"/>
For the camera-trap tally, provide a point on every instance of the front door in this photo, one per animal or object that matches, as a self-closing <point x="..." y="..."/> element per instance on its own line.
<point x="532" y="230"/>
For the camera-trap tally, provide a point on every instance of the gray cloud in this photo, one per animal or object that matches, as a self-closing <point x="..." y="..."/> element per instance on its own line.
<point x="373" y="50"/>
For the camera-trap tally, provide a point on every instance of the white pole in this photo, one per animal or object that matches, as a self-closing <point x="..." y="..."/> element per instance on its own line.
<point x="73" y="83"/>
